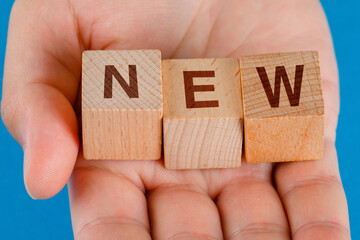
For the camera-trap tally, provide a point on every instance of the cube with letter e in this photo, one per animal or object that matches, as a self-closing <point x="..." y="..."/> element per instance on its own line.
<point x="203" y="116"/>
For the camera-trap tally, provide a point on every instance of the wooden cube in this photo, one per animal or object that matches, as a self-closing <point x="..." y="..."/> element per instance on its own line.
<point x="203" y="119"/>
<point x="122" y="105"/>
<point x="283" y="107"/>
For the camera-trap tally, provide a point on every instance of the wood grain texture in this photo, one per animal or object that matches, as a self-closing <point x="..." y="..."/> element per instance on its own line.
<point x="283" y="107"/>
<point x="203" y="123"/>
<point x="122" y="105"/>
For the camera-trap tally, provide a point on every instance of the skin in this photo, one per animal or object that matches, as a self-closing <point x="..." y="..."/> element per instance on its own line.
<point x="141" y="199"/>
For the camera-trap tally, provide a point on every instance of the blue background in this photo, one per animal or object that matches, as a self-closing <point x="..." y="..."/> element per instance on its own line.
<point x="24" y="218"/>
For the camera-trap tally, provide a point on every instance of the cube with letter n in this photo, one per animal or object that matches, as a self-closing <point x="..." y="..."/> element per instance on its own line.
<point x="203" y="116"/>
<point x="122" y="105"/>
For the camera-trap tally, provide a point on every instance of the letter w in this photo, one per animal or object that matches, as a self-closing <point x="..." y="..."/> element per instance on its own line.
<point x="280" y="73"/>
<point x="131" y="89"/>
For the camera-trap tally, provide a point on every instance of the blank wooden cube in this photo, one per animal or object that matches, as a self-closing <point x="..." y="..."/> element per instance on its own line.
<point x="203" y="119"/>
<point x="122" y="105"/>
<point x="283" y="107"/>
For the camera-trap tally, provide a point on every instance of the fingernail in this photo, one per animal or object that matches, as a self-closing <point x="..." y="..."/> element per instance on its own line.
<point x="25" y="170"/>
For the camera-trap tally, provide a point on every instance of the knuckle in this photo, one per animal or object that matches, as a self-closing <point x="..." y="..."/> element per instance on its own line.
<point x="261" y="228"/>
<point x="11" y="114"/>
<point x="6" y="112"/>
<point x="311" y="182"/>
<point x="321" y="227"/>
<point x="192" y="235"/>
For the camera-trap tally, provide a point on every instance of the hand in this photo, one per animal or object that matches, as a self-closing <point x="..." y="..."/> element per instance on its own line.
<point x="119" y="199"/>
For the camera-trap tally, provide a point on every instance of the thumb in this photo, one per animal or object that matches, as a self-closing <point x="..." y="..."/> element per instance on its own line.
<point x="38" y="92"/>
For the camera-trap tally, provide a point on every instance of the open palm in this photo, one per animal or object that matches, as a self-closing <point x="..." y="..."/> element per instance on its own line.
<point x="142" y="199"/>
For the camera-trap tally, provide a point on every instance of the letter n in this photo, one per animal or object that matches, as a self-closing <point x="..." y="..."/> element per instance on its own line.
<point x="130" y="89"/>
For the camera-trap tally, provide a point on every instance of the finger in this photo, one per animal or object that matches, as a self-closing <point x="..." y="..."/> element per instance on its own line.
<point x="250" y="208"/>
<point x="105" y="205"/>
<point x="314" y="198"/>
<point x="39" y="87"/>
<point x="183" y="212"/>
